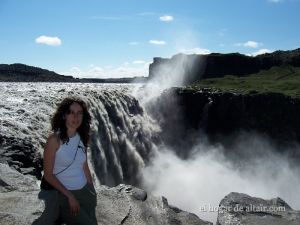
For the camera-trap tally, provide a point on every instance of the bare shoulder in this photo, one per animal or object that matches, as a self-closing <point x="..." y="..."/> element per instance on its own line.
<point x="53" y="142"/>
<point x="54" y="138"/>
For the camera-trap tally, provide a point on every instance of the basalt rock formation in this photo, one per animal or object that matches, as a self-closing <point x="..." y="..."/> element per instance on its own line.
<point x="223" y="114"/>
<point x="196" y="67"/>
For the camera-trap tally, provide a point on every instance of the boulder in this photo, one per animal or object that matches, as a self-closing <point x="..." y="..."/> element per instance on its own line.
<point x="20" y="154"/>
<point x="125" y="204"/>
<point x="19" y="203"/>
<point x="238" y="208"/>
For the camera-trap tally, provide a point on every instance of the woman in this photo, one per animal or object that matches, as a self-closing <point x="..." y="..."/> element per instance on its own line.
<point x="65" y="162"/>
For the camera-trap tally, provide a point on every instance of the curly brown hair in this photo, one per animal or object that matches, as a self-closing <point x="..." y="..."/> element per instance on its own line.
<point x="58" y="122"/>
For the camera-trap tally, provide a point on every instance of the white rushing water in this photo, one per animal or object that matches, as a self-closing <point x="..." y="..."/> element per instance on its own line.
<point x="122" y="133"/>
<point x="123" y="147"/>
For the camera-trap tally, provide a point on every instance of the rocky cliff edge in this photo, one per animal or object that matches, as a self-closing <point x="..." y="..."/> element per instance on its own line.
<point x="123" y="204"/>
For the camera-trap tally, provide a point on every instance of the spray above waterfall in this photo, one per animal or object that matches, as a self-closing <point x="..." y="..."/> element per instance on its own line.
<point x="177" y="71"/>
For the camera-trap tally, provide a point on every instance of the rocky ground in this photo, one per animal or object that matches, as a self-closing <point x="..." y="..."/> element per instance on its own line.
<point x="123" y="204"/>
<point x="242" y="209"/>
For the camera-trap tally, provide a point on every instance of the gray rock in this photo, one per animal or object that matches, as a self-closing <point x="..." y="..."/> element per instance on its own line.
<point x="19" y="152"/>
<point x="123" y="204"/>
<point x="20" y="207"/>
<point x="128" y="205"/>
<point x="11" y="179"/>
<point x="242" y="209"/>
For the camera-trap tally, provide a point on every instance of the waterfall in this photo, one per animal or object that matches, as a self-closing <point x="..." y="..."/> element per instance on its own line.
<point x="123" y="135"/>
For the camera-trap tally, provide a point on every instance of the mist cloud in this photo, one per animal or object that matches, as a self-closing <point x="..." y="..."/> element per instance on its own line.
<point x="208" y="175"/>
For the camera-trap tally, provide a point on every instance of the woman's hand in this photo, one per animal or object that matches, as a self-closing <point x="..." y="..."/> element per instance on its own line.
<point x="74" y="205"/>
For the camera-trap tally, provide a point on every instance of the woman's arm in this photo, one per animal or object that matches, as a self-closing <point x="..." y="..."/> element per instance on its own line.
<point x="51" y="147"/>
<point x="87" y="171"/>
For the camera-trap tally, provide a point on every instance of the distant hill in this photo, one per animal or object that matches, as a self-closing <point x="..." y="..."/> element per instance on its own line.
<point x="23" y="73"/>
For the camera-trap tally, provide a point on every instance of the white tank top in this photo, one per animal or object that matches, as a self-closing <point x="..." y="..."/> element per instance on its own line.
<point x="73" y="178"/>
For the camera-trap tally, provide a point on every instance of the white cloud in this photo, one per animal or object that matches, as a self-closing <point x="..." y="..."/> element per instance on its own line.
<point x="157" y="42"/>
<point x="249" y="44"/>
<point x="166" y="18"/>
<point x="96" y="70"/>
<point x="261" y="51"/>
<point x="134" y="69"/>
<point x="53" y="41"/>
<point x="91" y="72"/>
<point x="129" y="71"/>
<point x="74" y="69"/>
<point x="199" y="51"/>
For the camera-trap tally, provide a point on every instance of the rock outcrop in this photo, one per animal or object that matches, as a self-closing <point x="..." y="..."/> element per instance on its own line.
<point x="196" y="67"/>
<point x="242" y="209"/>
<point x="20" y="154"/>
<point x="123" y="204"/>
<point x="223" y="114"/>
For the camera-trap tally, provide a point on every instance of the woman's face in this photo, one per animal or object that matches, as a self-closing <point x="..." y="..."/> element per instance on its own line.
<point x="74" y="117"/>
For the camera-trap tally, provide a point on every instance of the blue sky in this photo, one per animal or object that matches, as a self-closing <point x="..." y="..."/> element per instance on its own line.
<point x="95" y="38"/>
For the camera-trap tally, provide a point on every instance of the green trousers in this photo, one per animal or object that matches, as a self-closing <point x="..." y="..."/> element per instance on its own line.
<point x="87" y="199"/>
<point x="51" y="211"/>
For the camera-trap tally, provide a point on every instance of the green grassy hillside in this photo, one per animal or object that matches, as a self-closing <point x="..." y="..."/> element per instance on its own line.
<point x="283" y="79"/>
